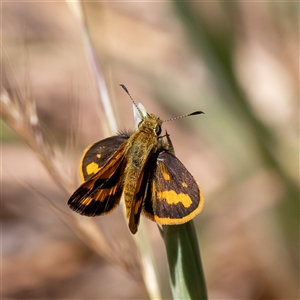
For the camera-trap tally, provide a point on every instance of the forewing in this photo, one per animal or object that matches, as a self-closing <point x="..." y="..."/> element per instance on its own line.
<point x="143" y="194"/>
<point x="98" y="154"/>
<point x="176" y="197"/>
<point x="101" y="192"/>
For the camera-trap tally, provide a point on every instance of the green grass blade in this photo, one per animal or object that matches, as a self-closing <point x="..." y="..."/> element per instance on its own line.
<point x="187" y="277"/>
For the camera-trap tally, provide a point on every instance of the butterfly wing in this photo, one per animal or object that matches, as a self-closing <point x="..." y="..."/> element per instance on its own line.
<point x="102" y="190"/>
<point x="142" y="192"/>
<point x="97" y="155"/>
<point x="175" y="196"/>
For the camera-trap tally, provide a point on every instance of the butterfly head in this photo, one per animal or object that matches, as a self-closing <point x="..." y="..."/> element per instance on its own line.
<point x="151" y="122"/>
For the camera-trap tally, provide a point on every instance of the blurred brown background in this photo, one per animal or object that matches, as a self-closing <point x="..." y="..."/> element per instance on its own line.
<point x="238" y="62"/>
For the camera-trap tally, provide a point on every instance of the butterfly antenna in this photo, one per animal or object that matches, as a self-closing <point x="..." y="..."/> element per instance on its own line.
<point x="127" y="92"/>
<point x="198" y="112"/>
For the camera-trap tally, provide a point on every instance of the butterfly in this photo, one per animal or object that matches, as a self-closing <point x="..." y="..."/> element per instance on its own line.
<point x="141" y="166"/>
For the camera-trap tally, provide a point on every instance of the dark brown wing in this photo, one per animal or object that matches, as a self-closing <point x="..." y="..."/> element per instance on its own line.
<point x="175" y="196"/>
<point x="102" y="190"/>
<point x="97" y="155"/>
<point x="142" y="193"/>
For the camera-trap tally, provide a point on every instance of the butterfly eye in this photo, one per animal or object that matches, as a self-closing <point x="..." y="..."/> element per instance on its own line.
<point x="158" y="129"/>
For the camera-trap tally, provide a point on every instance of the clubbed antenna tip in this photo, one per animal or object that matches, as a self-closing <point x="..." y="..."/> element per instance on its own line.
<point x="198" y="112"/>
<point x="124" y="88"/>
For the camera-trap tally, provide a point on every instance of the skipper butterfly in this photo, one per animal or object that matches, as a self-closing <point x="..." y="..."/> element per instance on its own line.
<point x="144" y="168"/>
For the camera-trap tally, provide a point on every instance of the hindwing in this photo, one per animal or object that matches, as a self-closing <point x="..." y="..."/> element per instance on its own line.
<point x="175" y="196"/>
